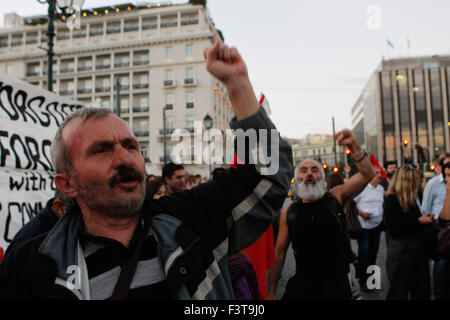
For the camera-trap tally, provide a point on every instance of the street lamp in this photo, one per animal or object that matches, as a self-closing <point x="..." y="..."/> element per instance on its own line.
<point x="53" y="6"/>
<point x="164" y="134"/>
<point x="208" y="122"/>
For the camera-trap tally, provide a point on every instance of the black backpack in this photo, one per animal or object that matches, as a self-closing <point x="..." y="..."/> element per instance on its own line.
<point x="335" y="208"/>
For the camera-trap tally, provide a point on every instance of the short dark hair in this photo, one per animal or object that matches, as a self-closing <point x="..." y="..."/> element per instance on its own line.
<point x="152" y="188"/>
<point x="442" y="158"/>
<point x="170" y="168"/>
<point x="334" y="180"/>
<point x="389" y="163"/>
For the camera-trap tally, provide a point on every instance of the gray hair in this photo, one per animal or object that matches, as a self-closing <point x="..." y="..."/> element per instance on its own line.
<point x="322" y="172"/>
<point x="59" y="152"/>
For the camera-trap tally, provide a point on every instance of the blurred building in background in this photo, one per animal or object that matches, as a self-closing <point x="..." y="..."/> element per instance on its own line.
<point x="402" y="113"/>
<point x="153" y="51"/>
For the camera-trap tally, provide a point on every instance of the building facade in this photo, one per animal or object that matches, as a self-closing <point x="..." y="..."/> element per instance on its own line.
<point x="152" y="54"/>
<point x="318" y="147"/>
<point x="402" y="113"/>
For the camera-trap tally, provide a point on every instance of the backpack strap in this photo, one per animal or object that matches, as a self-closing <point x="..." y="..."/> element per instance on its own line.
<point x="291" y="217"/>
<point x="335" y="207"/>
<point x="337" y="212"/>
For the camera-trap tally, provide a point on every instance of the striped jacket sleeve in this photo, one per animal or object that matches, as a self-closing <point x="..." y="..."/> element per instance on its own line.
<point x="240" y="203"/>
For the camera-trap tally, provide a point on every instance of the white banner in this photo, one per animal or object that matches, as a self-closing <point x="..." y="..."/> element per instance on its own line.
<point x="29" y="119"/>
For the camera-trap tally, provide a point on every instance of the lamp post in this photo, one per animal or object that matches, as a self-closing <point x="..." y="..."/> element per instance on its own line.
<point x="164" y="134"/>
<point x="53" y="6"/>
<point x="208" y="122"/>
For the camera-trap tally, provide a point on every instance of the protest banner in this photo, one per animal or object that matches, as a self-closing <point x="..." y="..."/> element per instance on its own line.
<point x="29" y="119"/>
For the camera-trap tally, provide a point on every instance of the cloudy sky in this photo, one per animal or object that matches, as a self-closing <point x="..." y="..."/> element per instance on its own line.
<point x="312" y="58"/>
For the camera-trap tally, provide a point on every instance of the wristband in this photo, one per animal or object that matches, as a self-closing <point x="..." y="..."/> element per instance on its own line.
<point x="361" y="159"/>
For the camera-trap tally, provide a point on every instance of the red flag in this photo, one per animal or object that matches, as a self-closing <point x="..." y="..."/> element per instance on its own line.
<point x="374" y="161"/>
<point x="261" y="254"/>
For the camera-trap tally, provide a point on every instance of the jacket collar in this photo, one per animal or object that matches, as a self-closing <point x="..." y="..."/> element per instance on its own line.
<point x="60" y="244"/>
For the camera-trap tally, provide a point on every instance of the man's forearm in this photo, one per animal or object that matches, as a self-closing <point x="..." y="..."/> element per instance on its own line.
<point x="242" y="97"/>
<point x="362" y="162"/>
<point x="274" y="274"/>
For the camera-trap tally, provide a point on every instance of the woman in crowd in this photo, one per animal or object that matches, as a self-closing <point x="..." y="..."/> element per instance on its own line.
<point x="155" y="189"/>
<point x="407" y="261"/>
<point x="334" y="180"/>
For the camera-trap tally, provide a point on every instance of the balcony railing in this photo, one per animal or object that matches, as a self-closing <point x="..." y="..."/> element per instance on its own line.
<point x="131" y="28"/>
<point x="188" y="22"/>
<point x="140" y="85"/>
<point x="66" y="69"/>
<point x="16" y="42"/>
<point x="113" y="30"/>
<point x="141" y="62"/>
<point x="189" y="105"/>
<point x="141" y="133"/>
<point x="149" y="26"/>
<point x="97" y="32"/>
<point x="169" y="24"/>
<point x="169" y="83"/>
<point x="103" y="66"/>
<point x="66" y="92"/>
<point x="189" y="82"/>
<point x="31" y="41"/>
<point x="32" y="73"/>
<point x="63" y="36"/>
<point x="169" y="106"/>
<point x="102" y="89"/>
<point x="124" y="86"/>
<point x="140" y="109"/>
<point x="84" y="68"/>
<point x="121" y="64"/>
<point x="168" y="131"/>
<point x="81" y="34"/>
<point x="84" y="90"/>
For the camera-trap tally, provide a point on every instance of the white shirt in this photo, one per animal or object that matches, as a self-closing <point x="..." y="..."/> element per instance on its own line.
<point x="370" y="201"/>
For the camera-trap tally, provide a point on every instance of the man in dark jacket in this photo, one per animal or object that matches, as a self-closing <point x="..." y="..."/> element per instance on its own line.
<point x="115" y="245"/>
<point x="44" y="221"/>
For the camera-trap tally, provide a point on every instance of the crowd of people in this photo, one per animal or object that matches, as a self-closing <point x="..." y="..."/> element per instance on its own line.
<point x="112" y="231"/>
<point x="397" y="201"/>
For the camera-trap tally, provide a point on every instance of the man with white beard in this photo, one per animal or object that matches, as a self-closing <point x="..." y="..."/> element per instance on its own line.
<point x="315" y="224"/>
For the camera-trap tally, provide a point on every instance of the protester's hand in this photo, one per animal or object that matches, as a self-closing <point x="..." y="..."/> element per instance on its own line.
<point x="364" y="215"/>
<point x="347" y="138"/>
<point x="225" y="63"/>
<point x="427" y="218"/>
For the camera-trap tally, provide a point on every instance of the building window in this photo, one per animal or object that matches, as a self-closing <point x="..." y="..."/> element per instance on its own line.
<point x="189" y="50"/>
<point x="189" y="99"/>
<point x="169" y="52"/>
<point x="190" y="123"/>
<point x="189" y="75"/>
<point x="169" y="100"/>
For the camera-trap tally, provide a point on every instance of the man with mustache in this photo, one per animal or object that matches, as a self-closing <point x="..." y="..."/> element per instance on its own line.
<point x="115" y="245"/>
<point x="315" y="224"/>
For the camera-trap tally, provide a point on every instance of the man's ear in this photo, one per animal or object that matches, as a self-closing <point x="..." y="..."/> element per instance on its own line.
<point x="66" y="184"/>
